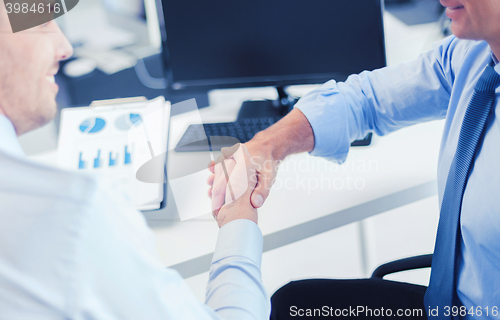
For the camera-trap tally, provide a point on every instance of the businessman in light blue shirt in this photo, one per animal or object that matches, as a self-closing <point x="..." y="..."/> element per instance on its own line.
<point x="438" y="85"/>
<point x="72" y="249"/>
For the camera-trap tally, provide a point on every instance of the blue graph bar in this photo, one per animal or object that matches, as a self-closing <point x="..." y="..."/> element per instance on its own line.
<point x="112" y="161"/>
<point x="128" y="158"/>
<point x="81" y="162"/>
<point x="97" y="161"/>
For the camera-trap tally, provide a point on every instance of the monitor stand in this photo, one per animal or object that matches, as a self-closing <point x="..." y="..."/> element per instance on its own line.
<point x="268" y="108"/>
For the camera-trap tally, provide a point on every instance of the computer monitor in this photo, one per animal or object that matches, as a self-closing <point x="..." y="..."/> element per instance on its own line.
<point x="246" y="43"/>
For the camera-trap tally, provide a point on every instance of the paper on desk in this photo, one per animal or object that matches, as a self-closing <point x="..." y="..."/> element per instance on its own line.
<point x="99" y="140"/>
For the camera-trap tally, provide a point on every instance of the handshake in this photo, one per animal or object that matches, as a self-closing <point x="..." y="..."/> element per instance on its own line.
<point x="239" y="184"/>
<point x="243" y="176"/>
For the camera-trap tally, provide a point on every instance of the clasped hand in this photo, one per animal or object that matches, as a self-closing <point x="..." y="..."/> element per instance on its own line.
<point x="232" y="182"/>
<point x="251" y="170"/>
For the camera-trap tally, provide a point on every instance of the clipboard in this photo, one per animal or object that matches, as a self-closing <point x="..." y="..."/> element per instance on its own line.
<point x="119" y="139"/>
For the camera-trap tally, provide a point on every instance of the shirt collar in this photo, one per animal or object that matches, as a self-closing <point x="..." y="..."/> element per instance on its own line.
<point x="494" y="58"/>
<point x="8" y="138"/>
<point x="497" y="64"/>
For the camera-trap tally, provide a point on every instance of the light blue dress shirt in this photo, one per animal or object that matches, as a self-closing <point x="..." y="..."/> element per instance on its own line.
<point x="70" y="248"/>
<point x="437" y="85"/>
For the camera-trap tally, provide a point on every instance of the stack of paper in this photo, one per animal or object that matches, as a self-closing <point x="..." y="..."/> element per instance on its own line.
<point x="123" y="141"/>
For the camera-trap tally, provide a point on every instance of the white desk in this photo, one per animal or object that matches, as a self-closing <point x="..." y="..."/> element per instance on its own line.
<point x="311" y="195"/>
<point x="397" y="173"/>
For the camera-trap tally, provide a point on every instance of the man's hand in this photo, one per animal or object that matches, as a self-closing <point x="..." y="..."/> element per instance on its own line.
<point x="292" y="134"/>
<point x="232" y="181"/>
<point x="266" y="163"/>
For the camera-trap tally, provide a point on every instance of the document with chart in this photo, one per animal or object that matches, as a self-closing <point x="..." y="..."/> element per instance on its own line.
<point x="123" y="140"/>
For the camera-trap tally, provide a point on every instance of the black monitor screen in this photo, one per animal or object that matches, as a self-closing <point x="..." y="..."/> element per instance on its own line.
<point x="228" y="43"/>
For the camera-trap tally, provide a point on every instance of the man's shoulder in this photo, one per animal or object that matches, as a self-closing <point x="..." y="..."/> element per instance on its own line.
<point x="33" y="190"/>
<point x="458" y="58"/>
<point x="45" y="213"/>
<point x="28" y="179"/>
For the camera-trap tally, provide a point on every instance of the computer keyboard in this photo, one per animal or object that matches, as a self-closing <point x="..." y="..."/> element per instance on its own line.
<point x="214" y="136"/>
<point x="223" y="134"/>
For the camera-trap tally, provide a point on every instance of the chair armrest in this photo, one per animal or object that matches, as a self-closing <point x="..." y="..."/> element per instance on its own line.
<point x="418" y="262"/>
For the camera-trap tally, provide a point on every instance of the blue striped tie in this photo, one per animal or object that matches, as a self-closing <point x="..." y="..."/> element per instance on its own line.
<point x="442" y="290"/>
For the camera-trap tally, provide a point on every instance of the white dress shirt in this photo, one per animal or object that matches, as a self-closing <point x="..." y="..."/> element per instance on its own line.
<point x="70" y="248"/>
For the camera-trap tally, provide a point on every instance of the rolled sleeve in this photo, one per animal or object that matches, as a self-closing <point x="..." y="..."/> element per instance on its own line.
<point x="379" y="101"/>
<point x="326" y="111"/>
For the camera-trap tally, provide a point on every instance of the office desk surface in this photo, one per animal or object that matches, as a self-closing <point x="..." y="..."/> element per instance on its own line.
<point x="311" y="195"/>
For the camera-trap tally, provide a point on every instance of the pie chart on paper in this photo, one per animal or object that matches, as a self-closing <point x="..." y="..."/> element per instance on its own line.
<point x="92" y="125"/>
<point x="127" y="121"/>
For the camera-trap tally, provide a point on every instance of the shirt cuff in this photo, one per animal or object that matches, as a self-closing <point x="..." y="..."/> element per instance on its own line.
<point x="239" y="238"/>
<point x="325" y="109"/>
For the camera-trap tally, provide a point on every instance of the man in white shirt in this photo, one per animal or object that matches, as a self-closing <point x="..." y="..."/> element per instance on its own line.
<point x="70" y="248"/>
